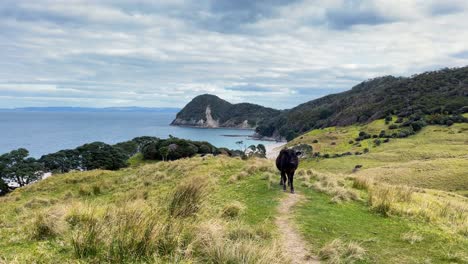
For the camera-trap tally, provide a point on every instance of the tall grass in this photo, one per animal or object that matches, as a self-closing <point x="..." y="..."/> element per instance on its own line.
<point x="331" y="185"/>
<point x="213" y="245"/>
<point x="44" y="226"/>
<point x="86" y="238"/>
<point x="188" y="197"/>
<point x="445" y="209"/>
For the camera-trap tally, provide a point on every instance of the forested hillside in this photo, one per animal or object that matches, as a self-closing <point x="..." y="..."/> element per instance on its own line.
<point x="439" y="92"/>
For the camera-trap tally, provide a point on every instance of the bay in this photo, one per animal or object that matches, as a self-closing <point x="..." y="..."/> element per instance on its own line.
<point x="47" y="132"/>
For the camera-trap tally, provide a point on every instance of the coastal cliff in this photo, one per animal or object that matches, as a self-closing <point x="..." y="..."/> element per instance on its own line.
<point x="212" y="112"/>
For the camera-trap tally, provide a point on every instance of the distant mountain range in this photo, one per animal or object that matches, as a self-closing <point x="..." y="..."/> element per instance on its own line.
<point x="444" y="91"/>
<point x="90" y="109"/>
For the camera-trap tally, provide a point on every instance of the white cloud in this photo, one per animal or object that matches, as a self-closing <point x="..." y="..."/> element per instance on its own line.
<point x="148" y="53"/>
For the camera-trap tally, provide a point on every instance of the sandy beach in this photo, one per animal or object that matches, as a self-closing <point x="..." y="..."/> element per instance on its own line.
<point x="273" y="149"/>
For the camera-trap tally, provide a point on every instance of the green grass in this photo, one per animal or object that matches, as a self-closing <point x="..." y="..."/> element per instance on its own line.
<point x="436" y="158"/>
<point x="321" y="222"/>
<point x="333" y="140"/>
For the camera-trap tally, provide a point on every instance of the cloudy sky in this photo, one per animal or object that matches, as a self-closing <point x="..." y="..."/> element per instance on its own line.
<point x="162" y="53"/>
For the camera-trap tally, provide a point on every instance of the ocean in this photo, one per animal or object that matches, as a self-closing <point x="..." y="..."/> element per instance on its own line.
<point x="46" y="132"/>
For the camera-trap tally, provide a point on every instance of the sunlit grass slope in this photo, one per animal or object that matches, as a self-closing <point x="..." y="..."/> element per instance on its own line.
<point x="436" y="157"/>
<point x="205" y="210"/>
<point x="383" y="212"/>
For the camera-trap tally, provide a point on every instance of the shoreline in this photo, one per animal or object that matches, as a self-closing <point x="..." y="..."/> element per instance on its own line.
<point x="273" y="149"/>
<point x="205" y="127"/>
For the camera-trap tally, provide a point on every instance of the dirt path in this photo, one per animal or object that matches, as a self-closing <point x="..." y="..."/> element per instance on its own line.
<point x="295" y="247"/>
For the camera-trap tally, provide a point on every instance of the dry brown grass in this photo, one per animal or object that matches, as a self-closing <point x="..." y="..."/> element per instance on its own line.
<point x="332" y="185"/>
<point x="238" y="176"/>
<point x="448" y="210"/>
<point x="338" y="252"/>
<point x="214" y="246"/>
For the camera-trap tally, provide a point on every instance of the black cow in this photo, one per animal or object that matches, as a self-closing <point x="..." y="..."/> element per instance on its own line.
<point x="287" y="162"/>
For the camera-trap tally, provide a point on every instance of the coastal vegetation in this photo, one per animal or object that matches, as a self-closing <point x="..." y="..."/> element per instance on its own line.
<point x="390" y="187"/>
<point x="402" y="204"/>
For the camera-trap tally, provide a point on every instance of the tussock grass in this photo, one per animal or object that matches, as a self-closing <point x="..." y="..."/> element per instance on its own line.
<point x="238" y="176"/>
<point x="445" y="209"/>
<point x="43" y="226"/>
<point x="133" y="234"/>
<point x="187" y="198"/>
<point x="233" y="210"/>
<point x="214" y="246"/>
<point x="86" y="238"/>
<point x="362" y="183"/>
<point x="338" y="252"/>
<point x="147" y="213"/>
<point x="332" y="185"/>
<point x="130" y="232"/>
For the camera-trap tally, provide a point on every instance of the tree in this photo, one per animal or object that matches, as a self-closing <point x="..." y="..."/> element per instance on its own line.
<point x="17" y="167"/>
<point x="99" y="155"/>
<point x="243" y="148"/>
<point x="261" y="150"/>
<point x="3" y="187"/>
<point x="62" y="161"/>
<point x="129" y="148"/>
<point x="164" y="151"/>
<point x="150" y="151"/>
<point x="252" y="148"/>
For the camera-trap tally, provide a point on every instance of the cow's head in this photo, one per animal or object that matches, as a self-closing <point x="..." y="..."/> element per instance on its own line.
<point x="293" y="156"/>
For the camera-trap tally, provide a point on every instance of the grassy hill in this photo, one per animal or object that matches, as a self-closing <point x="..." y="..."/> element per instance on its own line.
<point x="402" y="206"/>
<point x="436" y="157"/>
<point x="422" y="96"/>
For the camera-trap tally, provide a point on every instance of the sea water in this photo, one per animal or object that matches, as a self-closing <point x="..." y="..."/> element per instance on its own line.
<point x="47" y="132"/>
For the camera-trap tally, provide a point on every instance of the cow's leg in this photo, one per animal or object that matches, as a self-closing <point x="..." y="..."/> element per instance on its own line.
<point x="283" y="179"/>
<point x="290" y="180"/>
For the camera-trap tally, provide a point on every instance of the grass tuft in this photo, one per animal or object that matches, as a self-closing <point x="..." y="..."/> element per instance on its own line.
<point x="187" y="198"/>
<point x="339" y="252"/>
<point x="233" y="210"/>
<point x="43" y="227"/>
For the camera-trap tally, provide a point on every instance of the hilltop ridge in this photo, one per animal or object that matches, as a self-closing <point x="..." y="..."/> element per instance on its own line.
<point x="437" y="92"/>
